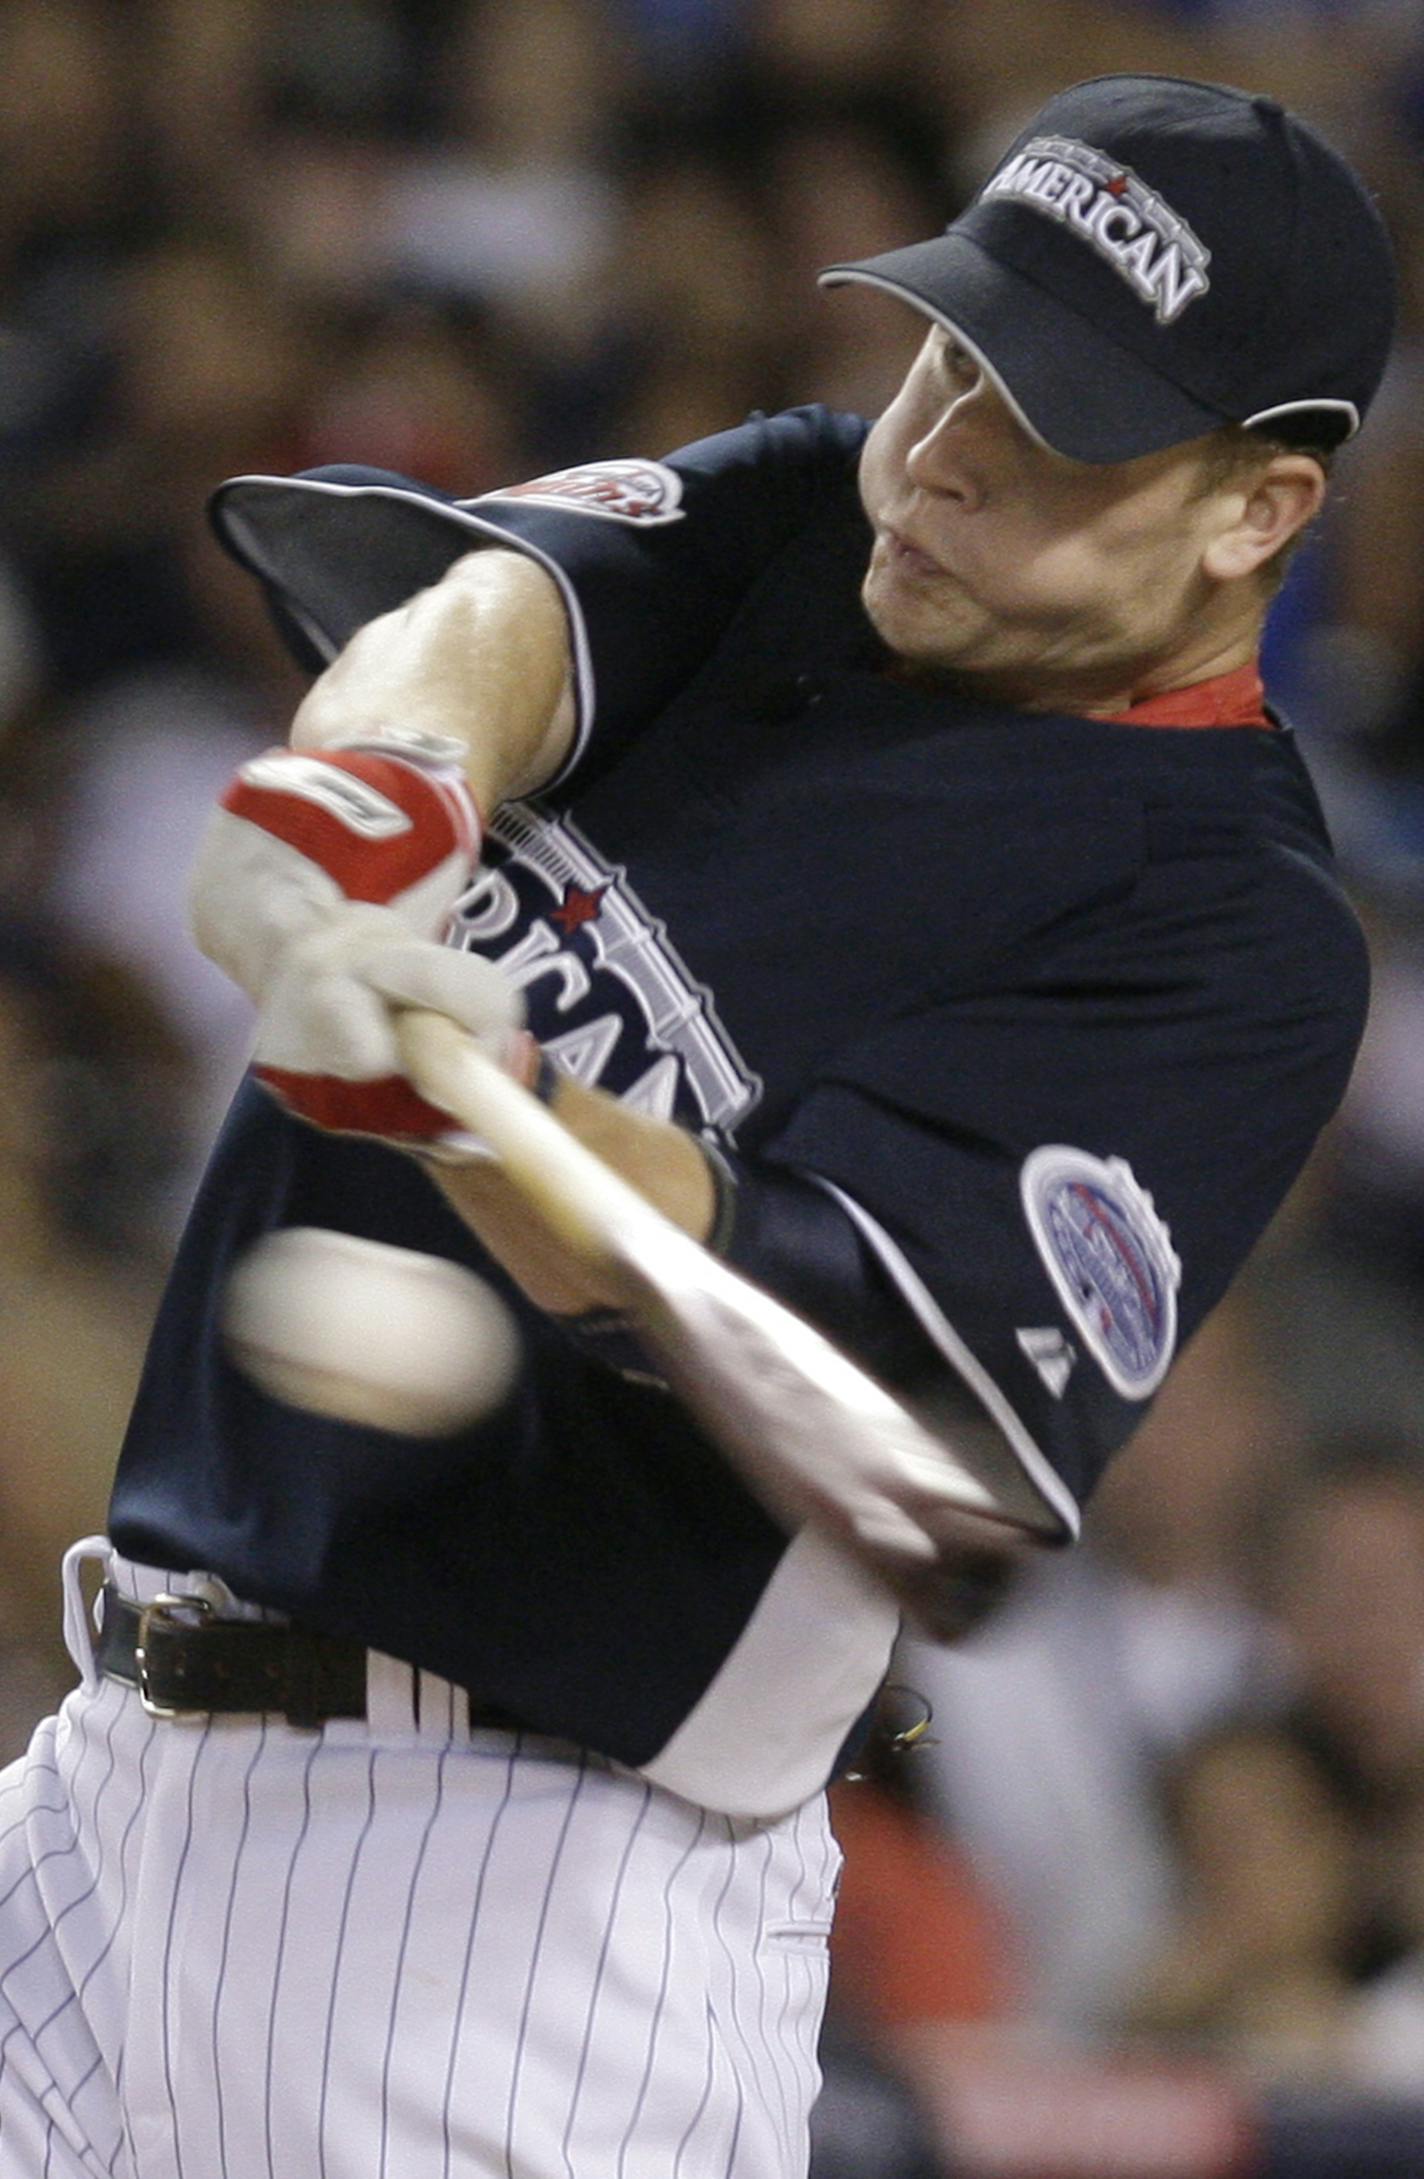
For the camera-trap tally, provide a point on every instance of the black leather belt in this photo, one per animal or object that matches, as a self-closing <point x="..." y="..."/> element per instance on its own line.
<point x="185" y="1661"/>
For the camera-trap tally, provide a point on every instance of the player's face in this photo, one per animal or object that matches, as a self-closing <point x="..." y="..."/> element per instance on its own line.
<point x="1040" y="580"/>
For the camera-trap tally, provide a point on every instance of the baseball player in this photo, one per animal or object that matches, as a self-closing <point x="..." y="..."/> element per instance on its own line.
<point x="874" y="840"/>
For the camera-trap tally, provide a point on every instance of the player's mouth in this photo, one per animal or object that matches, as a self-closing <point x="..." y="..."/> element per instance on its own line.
<point x="908" y="558"/>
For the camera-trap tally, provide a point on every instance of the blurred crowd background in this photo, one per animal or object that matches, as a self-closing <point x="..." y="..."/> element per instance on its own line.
<point x="1147" y="1900"/>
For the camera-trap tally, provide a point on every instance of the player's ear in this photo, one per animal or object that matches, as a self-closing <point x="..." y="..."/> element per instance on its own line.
<point x="1263" y="514"/>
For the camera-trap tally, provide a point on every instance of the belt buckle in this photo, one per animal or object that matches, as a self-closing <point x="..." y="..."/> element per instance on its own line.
<point x="166" y="1611"/>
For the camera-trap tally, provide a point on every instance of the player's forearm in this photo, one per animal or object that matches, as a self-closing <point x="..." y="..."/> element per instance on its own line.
<point x="482" y="656"/>
<point x="664" y="1162"/>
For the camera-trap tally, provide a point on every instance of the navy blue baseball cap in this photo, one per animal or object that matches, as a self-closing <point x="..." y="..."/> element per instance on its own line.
<point x="1154" y="258"/>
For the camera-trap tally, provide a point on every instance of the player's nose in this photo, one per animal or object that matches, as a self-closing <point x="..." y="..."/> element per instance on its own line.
<point x="942" y="464"/>
<point x="946" y="456"/>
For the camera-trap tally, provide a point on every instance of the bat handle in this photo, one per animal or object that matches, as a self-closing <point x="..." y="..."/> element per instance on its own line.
<point x="592" y="1210"/>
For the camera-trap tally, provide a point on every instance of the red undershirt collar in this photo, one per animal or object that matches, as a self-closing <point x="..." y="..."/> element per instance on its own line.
<point x="1237" y="698"/>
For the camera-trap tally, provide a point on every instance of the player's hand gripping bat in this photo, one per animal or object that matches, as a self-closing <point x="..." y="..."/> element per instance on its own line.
<point x="941" y="1519"/>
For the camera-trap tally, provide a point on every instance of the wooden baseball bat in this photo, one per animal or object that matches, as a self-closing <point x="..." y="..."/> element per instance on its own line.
<point x="941" y="1517"/>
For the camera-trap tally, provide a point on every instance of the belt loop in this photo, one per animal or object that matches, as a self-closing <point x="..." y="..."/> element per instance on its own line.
<point x="79" y="1620"/>
<point x="437" y="1727"/>
<point x="390" y="1697"/>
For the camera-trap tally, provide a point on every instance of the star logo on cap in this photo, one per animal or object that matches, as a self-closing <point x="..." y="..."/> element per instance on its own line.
<point x="577" y="908"/>
<point x="1117" y="187"/>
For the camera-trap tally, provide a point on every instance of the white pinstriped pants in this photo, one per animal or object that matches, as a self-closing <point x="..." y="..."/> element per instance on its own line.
<point x="392" y="1949"/>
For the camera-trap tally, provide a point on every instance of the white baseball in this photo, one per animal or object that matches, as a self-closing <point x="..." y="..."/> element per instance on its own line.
<point x="368" y="1333"/>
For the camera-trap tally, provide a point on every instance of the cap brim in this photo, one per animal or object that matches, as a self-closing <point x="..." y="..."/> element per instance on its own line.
<point x="1077" y="391"/>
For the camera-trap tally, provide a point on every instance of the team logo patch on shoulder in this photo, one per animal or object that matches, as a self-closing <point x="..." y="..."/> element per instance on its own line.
<point x="620" y="491"/>
<point x="1129" y="225"/>
<point x="1111" y="1259"/>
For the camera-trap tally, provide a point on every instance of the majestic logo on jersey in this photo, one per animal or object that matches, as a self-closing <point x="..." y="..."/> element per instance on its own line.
<point x="607" y="995"/>
<point x="622" y="491"/>
<point x="1051" y="1354"/>
<point x="1129" y="225"/>
<point x="1110" y="1258"/>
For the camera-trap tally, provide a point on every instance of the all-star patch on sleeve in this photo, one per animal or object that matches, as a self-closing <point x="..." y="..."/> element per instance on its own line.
<point x="1062" y="1162"/>
<point x="636" y="492"/>
<point x="652" y="557"/>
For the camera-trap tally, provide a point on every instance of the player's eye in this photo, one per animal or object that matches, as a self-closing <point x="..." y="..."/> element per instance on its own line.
<point x="959" y="363"/>
<point x="956" y="363"/>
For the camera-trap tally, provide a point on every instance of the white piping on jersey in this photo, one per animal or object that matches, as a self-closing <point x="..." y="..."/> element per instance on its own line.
<point x="1037" y="1468"/>
<point x="232" y="517"/>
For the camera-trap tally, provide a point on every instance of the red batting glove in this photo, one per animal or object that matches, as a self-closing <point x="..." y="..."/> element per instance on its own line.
<point x="317" y="879"/>
<point x="326" y="1042"/>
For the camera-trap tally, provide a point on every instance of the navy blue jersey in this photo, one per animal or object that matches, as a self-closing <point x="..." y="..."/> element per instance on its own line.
<point x="1016" y="1027"/>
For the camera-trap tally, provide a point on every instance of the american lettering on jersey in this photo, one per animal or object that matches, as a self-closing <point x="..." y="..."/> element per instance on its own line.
<point x="1111" y="1259"/>
<point x="607" y="994"/>
<point x="1129" y="225"/>
<point x="622" y="491"/>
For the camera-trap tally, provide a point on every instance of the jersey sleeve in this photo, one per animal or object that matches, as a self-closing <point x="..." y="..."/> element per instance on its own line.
<point x="652" y="557"/>
<point x="1059" y="1179"/>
